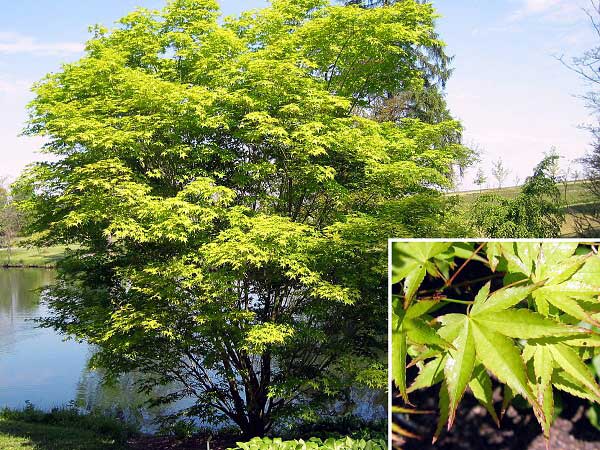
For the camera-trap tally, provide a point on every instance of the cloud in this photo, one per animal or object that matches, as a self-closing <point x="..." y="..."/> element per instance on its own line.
<point x="15" y="43"/>
<point x="558" y="11"/>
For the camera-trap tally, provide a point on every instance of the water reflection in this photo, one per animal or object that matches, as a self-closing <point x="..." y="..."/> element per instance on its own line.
<point x="39" y="366"/>
<point x="35" y="364"/>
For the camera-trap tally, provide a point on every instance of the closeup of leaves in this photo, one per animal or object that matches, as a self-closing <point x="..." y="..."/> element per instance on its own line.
<point x="531" y="324"/>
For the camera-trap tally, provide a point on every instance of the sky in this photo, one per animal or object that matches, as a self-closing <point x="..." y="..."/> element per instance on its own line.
<point x="514" y="98"/>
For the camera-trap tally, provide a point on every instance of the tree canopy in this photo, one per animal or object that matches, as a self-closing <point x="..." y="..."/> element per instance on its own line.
<point x="233" y="202"/>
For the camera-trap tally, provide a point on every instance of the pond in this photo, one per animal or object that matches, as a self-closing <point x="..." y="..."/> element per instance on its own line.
<point x="39" y="366"/>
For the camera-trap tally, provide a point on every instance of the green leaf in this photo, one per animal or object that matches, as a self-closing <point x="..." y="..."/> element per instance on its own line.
<point x="481" y="387"/>
<point x="583" y="284"/>
<point x="515" y="263"/>
<point x="567" y="304"/>
<point x="528" y="253"/>
<point x="546" y="398"/>
<point x="503" y="299"/>
<point x="569" y="361"/>
<point x="399" y="362"/>
<point x="543" y="366"/>
<point x="444" y="405"/>
<point x="559" y="273"/>
<point x="411" y="257"/>
<point x="521" y="324"/>
<point x="554" y="253"/>
<point x="418" y="355"/>
<point x="451" y="325"/>
<point x="493" y="252"/>
<point x="424" y="251"/>
<point x="419" y="308"/>
<point x="482" y="295"/>
<point x="412" y="283"/>
<point x="567" y="383"/>
<point x="501" y="357"/>
<point x="420" y="332"/>
<point x="432" y="373"/>
<point x="458" y="367"/>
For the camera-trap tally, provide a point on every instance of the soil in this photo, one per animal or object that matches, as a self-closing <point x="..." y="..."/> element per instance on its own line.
<point x="475" y="430"/>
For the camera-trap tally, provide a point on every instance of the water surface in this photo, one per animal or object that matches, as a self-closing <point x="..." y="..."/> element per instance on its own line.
<point x="40" y="366"/>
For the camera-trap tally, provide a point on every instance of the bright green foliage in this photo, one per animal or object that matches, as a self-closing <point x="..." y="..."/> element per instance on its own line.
<point x="312" y="444"/>
<point x="532" y="326"/>
<point x="232" y="200"/>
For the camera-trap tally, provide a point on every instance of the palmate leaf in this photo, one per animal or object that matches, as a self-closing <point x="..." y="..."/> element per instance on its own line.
<point x="553" y="253"/>
<point x="409" y="256"/>
<point x="546" y="399"/>
<point x="399" y="362"/>
<point x="412" y="283"/>
<point x="493" y="252"/>
<point x="507" y="397"/>
<point x="559" y="273"/>
<point x="420" y="308"/>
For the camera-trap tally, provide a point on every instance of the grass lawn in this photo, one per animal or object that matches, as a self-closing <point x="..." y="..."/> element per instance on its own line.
<point x="17" y="435"/>
<point x="31" y="257"/>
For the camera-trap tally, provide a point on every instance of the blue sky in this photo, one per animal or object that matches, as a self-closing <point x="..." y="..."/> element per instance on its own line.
<point x="513" y="97"/>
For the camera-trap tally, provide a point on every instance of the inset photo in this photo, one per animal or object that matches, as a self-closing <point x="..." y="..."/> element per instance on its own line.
<point x="495" y="344"/>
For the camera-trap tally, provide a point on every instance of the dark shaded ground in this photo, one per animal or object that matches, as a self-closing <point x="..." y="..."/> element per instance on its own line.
<point x="173" y="443"/>
<point x="519" y="430"/>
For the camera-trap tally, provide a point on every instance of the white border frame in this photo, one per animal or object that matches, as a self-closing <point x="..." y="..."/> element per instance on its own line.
<point x="389" y="292"/>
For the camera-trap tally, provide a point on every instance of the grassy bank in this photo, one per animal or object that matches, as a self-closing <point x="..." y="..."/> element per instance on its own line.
<point x="575" y="198"/>
<point x="16" y="435"/>
<point x="573" y="193"/>
<point x="60" y="429"/>
<point x="31" y="257"/>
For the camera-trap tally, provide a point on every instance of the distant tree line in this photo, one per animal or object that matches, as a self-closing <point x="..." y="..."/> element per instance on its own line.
<point x="10" y="219"/>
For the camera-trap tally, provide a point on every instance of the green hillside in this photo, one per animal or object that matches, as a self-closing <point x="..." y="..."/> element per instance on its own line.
<point x="575" y="197"/>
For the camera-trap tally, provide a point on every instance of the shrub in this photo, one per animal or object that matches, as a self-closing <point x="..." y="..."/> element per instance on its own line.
<point x="346" y="425"/>
<point x="313" y="443"/>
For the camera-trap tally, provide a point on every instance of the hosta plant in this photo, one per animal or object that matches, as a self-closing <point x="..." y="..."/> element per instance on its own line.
<point x="523" y="313"/>
<point x="312" y="444"/>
